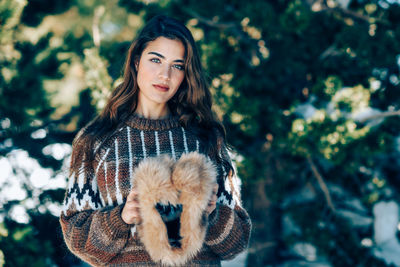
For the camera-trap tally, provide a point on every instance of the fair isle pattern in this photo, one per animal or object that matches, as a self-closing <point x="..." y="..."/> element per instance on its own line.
<point x="97" y="170"/>
<point x="128" y="136"/>
<point x="225" y="196"/>
<point x="133" y="230"/>
<point x="143" y="144"/>
<point x="118" y="191"/>
<point x="94" y="200"/>
<point x="171" y="141"/>
<point x="157" y="143"/>
<point x="235" y="182"/>
<point x="184" y="140"/>
<point x="110" y="202"/>
<point x="102" y="159"/>
<point x="80" y="195"/>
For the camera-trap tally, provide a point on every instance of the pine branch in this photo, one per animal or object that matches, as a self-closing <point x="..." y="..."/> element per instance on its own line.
<point x="234" y="28"/>
<point x="98" y="12"/>
<point x="344" y="11"/>
<point x="209" y="22"/>
<point x="381" y="115"/>
<point x="321" y="183"/>
<point x="261" y="246"/>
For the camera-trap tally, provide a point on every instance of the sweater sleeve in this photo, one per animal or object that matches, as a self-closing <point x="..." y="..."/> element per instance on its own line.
<point x="229" y="228"/>
<point x="93" y="232"/>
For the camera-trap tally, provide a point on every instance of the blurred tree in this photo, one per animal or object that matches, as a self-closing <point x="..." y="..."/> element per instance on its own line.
<point x="307" y="89"/>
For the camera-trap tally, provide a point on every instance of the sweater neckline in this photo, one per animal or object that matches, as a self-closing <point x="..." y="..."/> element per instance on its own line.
<point x="142" y="123"/>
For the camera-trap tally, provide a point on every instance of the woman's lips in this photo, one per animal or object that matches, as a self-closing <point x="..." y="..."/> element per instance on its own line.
<point x="161" y="87"/>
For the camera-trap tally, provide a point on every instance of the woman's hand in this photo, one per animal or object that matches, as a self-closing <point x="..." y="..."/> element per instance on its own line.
<point x="213" y="201"/>
<point x="131" y="213"/>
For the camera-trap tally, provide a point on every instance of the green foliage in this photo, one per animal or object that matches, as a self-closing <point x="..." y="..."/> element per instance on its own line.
<point x="343" y="239"/>
<point x="37" y="9"/>
<point x="296" y="17"/>
<point x="329" y="134"/>
<point x="97" y="77"/>
<point x="10" y="13"/>
<point x="24" y="240"/>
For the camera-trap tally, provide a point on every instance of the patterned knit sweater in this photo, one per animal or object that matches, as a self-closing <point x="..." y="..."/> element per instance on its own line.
<point x="91" y="218"/>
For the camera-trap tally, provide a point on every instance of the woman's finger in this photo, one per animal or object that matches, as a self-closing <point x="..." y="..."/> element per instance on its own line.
<point x="131" y="213"/>
<point x="132" y="196"/>
<point x="215" y="188"/>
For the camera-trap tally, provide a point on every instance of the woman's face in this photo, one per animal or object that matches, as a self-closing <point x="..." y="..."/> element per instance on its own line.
<point x="160" y="71"/>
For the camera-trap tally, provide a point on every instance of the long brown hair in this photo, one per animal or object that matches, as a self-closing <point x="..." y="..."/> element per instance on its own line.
<point x="191" y="103"/>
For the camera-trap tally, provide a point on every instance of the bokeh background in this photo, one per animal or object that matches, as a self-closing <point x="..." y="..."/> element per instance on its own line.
<point x="308" y="91"/>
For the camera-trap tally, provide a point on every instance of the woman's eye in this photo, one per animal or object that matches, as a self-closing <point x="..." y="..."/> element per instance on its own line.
<point x="155" y="60"/>
<point x="179" y="67"/>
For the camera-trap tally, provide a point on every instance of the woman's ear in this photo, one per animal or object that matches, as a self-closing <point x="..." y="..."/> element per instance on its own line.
<point x="137" y="63"/>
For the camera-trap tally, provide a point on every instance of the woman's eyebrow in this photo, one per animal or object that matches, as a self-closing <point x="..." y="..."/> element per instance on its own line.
<point x="161" y="56"/>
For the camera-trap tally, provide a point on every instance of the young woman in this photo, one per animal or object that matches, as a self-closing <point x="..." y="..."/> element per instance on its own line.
<point x="151" y="182"/>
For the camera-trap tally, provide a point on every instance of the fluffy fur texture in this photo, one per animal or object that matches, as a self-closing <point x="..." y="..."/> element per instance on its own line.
<point x="188" y="182"/>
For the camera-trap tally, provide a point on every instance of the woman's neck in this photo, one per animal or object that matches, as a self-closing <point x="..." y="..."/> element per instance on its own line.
<point x="153" y="113"/>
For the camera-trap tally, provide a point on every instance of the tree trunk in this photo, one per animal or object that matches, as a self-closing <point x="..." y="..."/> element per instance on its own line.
<point x="266" y="220"/>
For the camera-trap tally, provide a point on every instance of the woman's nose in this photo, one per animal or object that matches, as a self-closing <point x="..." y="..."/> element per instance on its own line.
<point x="165" y="72"/>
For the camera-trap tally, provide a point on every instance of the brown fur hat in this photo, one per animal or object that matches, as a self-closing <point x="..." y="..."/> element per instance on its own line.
<point x="184" y="186"/>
